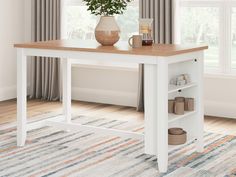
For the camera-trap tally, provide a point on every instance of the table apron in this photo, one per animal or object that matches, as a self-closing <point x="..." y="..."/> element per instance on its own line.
<point x="80" y="56"/>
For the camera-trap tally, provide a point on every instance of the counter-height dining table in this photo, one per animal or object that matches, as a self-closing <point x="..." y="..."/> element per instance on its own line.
<point x="161" y="63"/>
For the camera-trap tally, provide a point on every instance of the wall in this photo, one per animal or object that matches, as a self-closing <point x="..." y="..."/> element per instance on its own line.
<point x="116" y="86"/>
<point x="112" y="85"/>
<point x="220" y="96"/>
<point x="11" y="31"/>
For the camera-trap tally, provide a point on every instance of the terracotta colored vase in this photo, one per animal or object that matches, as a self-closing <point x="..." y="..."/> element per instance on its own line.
<point x="107" y="31"/>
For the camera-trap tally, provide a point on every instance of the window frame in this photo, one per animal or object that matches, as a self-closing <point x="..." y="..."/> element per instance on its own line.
<point x="78" y="3"/>
<point x="225" y="28"/>
<point x="110" y="66"/>
<point x="232" y="5"/>
<point x="225" y="31"/>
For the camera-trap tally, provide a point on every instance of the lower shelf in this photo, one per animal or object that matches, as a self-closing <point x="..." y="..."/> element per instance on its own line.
<point x="189" y="140"/>
<point x="174" y="117"/>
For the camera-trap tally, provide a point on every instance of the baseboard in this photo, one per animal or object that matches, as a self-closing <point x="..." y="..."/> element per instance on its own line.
<point x="7" y="93"/>
<point x="86" y="94"/>
<point x="220" y="109"/>
<point x="105" y="96"/>
<point x="212" y="108"/>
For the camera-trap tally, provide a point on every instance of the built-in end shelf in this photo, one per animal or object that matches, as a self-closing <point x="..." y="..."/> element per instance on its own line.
<point x="174" y="88"/>
<point x="189" y="140"/>
<point x="174" y="117"/>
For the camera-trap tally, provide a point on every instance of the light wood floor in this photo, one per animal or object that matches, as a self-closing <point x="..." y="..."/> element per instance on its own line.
<point x="37" y="107"/>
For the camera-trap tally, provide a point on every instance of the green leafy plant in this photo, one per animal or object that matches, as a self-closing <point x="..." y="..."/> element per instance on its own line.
<point x="107" y="7"/>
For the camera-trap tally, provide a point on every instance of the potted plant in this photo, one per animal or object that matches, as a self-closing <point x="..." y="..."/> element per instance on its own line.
<point x="107" y="30"/>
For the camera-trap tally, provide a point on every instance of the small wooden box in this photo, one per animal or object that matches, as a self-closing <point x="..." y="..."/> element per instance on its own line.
<point x="177" y="139"/>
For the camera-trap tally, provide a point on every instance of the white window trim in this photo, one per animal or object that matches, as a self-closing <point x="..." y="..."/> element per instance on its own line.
<point x="225" y="9"/>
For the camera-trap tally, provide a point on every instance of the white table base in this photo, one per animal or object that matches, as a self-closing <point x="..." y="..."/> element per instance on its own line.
<point x="155" y="88"/>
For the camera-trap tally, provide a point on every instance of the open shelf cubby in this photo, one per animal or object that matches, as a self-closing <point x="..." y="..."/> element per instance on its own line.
<point x="174" y="88"/>
<point x="174" y="117"/>
<point x="189" y="120"/>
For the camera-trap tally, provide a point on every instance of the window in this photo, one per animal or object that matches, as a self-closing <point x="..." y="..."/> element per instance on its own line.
<point x="80" y="24"/>
<point x="233" y="38"/>
<point x="201" y="25"/>
<point x="212" y="22"/>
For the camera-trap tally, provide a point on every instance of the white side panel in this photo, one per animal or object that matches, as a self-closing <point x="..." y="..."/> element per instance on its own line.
<point x="66" y="82"/>
<point x="200" y="104"/>
<point x="150" y="116"/>
<point x="162" y="114"/>
<point x="21" y="97"/>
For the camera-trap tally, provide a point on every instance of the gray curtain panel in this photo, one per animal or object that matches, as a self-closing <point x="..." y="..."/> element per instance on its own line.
<point x="45" y="72"/>
<point x="162" y="13"/>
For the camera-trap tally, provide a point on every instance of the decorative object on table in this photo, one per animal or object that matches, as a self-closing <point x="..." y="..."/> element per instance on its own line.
<point x="180" y="104"/>
<point x="145" y="29"/>
<point x="136" y="41"/>
<point x="180" y="80"/>
<point x="179" y="108"/>
<point x="175" y="131"/>
<point x="171" y="104"/>
<point x="177" y="136"/>
<point x="189" y="104"/>
<point x="187" y="78"/>
<point x="107" y="31"/>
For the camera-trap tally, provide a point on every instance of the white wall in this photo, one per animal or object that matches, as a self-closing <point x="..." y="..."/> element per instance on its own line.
<point x="120" y="87"/>
<point x="220" y="96"/>
<point x="11" y="31"/>
<point x="105" y="85"/>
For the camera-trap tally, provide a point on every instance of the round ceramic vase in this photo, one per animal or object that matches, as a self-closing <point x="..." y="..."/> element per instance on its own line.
<point x="107" y="31"/>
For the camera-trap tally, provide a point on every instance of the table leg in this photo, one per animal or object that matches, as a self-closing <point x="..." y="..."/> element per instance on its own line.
<point x="199" y="106"/>
<point x="150" y="114"/>
<point x="162" y="115"/>
<point x="21" y="97"/>
<point x="66" y="81"/>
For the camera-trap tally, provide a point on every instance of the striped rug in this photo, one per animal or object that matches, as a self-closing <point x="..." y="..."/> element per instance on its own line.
<point x="52" y="152"/>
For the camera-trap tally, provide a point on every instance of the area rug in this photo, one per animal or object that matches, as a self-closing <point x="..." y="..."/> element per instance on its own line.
<point x="52" y="152"/>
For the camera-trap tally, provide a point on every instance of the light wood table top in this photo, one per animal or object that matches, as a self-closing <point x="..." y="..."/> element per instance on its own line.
<point x="119" y="48"/>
